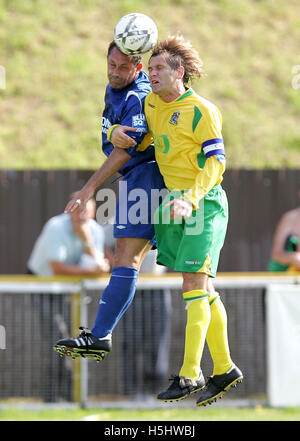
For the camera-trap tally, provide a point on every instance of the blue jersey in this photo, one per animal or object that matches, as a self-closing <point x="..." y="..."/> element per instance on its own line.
<point x="126" y="107"/>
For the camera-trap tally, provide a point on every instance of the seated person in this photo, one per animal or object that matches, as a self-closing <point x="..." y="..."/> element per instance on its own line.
<point x="70" y="244"/>
<point x="285" y="255"/>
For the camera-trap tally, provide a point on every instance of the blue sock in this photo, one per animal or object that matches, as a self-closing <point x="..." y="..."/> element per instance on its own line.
<point x="115" y="300"/>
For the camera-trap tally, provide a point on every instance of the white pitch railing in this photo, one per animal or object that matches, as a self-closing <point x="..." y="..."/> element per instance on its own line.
<point x="73" y="284"/>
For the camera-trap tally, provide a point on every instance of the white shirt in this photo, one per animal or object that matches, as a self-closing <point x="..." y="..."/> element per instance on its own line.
<point x="58" y="242"/>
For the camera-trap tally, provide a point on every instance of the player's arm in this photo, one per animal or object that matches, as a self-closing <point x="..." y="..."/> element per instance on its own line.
<point x="209" y="137"/>
<point x="132" y="116"/>
<point x="116" y="160"/>
<point x="278" y="252"/>
<point x="206" y="179"/>
<point x="208" y="134"/>
<point x="134" y="123"/>
<point x="118" y="137"/>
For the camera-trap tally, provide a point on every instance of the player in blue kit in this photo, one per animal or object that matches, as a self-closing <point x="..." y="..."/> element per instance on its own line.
<point x="124" y="105"/>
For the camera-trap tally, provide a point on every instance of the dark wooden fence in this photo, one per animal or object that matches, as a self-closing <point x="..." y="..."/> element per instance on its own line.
<point x="257" y="199"/>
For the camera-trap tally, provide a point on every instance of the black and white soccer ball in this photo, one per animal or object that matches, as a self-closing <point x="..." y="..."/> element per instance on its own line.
<point x="135" y="34"/>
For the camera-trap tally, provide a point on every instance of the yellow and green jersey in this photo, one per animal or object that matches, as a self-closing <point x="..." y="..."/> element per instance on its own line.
<point x="188" y="141"/>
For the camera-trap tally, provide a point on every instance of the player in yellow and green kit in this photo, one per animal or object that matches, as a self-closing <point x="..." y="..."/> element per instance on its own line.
<point x="190" y="224"/>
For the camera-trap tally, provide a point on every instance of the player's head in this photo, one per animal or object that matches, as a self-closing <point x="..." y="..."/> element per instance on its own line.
<point x="122" y="69"/>
<point x="174" y="60"/>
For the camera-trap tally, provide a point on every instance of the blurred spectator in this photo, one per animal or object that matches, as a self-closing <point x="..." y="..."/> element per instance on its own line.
<point x="70" y="244"/>
<point x="285" y="255"/>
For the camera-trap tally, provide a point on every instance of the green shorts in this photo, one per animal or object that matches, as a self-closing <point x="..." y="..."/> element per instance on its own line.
<point x="193" y="245"/>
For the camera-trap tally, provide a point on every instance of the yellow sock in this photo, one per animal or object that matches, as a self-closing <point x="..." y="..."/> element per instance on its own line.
<point x="217" y="338"/>
<point x="198" y="317"/>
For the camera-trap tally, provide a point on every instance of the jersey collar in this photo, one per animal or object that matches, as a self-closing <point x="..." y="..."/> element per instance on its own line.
<point x="187" y="93"/>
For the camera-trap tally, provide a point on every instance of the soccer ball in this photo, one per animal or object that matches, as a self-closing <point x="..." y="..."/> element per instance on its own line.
<point x="135" y="34"/>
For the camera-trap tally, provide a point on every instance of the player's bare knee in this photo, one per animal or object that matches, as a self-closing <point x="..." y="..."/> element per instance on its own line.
<point x="126" y="259"/>
<point x="129" y="252"/>
<point x="193" y="281"/>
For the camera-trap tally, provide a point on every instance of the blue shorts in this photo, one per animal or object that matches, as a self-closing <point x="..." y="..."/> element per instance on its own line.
<point x="140" y="193"/>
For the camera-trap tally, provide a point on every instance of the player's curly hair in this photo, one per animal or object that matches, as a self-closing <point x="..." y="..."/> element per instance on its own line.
<point x="180" y="53"/>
